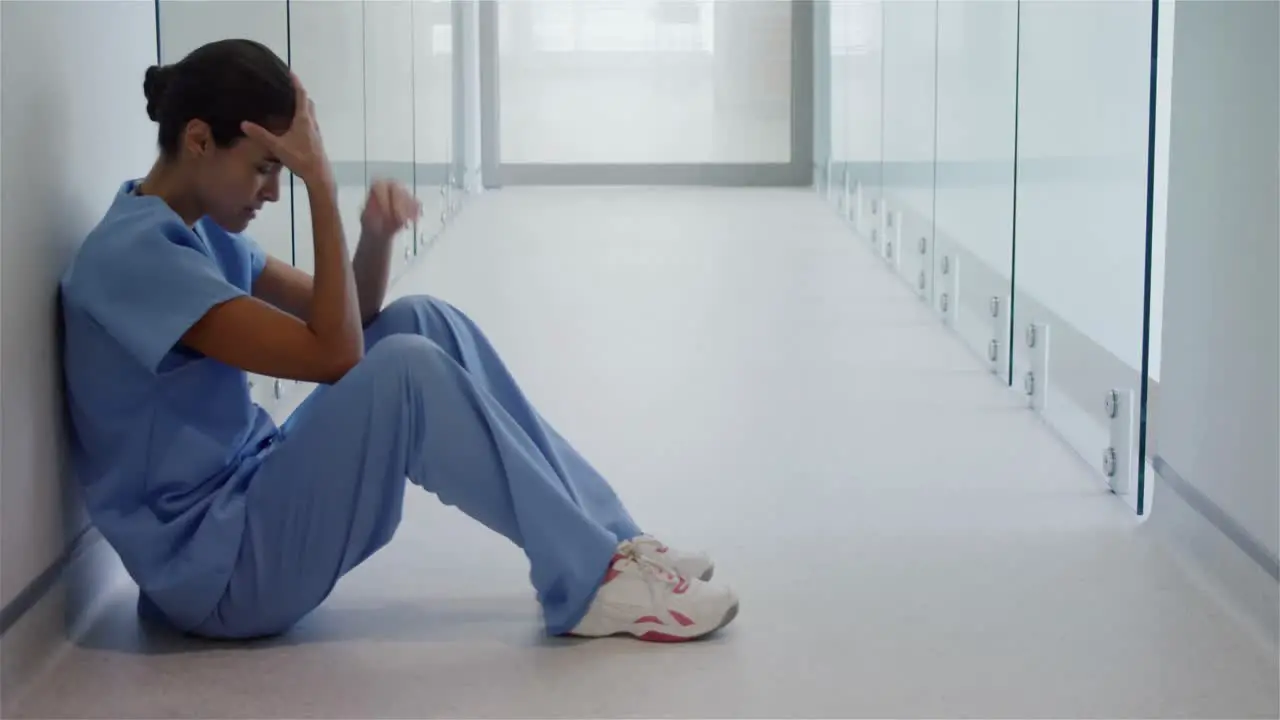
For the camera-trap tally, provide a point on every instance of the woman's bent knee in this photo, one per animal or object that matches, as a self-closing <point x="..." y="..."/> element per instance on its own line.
<point x="408" y="314"/>
<point x="407" y="354"/>
<point x="410" y="303"/>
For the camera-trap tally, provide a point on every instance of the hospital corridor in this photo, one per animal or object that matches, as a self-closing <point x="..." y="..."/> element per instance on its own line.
<point x="956" y="347"/>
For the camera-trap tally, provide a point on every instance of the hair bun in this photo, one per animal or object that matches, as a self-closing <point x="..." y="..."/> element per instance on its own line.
<point x="154" y="85"/>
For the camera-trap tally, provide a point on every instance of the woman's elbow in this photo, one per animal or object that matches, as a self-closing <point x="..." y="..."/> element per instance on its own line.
<point x="339" y="363"/>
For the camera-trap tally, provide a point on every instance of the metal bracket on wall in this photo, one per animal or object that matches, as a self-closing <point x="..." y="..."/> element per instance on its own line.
<point x="877" y="233"/>
<point x="844" y="194"/>
<point x="1118" y="457"/>
<point x="892" y="237"/>
<point x="949" y="299"/>
<point x="1036" y="381"/>
<point x="923" y="281"/>
<point x="999" y="310"/>
<point x="857" y="211"/>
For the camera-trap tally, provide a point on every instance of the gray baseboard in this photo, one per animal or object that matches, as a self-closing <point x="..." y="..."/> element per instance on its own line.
<point x="1242" y="579"/>
<point x="53" y="610"/>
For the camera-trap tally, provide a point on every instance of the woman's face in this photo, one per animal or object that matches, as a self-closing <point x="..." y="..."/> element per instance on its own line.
<point x="235" y="182"/>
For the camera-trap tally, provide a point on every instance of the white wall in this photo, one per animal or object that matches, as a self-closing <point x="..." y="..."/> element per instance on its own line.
<point x="1218" y="417"/>
<point x="73" y="126"/>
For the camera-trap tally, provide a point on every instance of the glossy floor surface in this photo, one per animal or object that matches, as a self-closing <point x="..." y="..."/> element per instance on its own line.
<point x="908" y="540"/>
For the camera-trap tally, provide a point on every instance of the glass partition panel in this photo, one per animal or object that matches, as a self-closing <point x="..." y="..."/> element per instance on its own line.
<point x="185" y="25"/>
<point x="838" y="74"/>
<point x="454" y="102"/>
<point x="433" y="114"/>
<point x="910" y="42"/>
<point x="1080" y="213"/>
<point x="862" y="56"/>
<point x="453" y="177"/>
<point x="467" y="103"/>
<point x="328" y="56"/>
<point x="389" y="106"/>
<point x="973" y="197"/>
<point x="667" y="81"/>
<point x="821" y="96"/>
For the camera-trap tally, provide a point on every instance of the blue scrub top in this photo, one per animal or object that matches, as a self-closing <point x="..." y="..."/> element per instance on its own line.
<point x="165" y="440"/>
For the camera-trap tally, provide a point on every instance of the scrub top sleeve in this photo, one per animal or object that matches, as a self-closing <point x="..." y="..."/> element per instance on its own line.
<point x="149" y="296"/>
<point x="253" y="251"/>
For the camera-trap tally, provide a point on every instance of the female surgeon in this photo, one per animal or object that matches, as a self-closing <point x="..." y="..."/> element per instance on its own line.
<point x="233" y="527"/>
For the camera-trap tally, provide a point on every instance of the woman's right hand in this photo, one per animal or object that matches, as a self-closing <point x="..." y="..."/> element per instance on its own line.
<point x="300" y="148"/>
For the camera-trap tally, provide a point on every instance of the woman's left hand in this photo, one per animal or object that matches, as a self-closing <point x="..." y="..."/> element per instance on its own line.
<point x="389" y="209"/>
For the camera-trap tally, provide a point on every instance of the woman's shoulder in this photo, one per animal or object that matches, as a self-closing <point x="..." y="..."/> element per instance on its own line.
<point x="129" y="236"/>
<point x="143" y="222"/>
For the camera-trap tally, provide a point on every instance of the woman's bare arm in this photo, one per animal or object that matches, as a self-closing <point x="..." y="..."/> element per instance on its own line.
<point x="321" y="346"/>
<point x="389" y="209"/>
<point x="255" y="336"/>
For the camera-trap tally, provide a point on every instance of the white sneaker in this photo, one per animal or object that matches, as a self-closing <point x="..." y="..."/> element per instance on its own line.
<point x="643" y="599"/>
<point x="691" y="565"/>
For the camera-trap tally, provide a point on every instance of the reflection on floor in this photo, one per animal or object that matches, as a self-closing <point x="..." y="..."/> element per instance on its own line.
<point x="907" y="540"/>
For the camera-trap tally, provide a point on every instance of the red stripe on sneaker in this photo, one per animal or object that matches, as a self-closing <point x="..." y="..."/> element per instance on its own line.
<point x="612" y="572"/>
<point x="661" y="637"/>
<point x="681" y="618"/>
<point x="681" y="587"/>
<point x="650" y="619"/>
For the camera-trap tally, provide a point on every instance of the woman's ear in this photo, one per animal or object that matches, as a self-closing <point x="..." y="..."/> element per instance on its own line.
<point x="197" y="138"/>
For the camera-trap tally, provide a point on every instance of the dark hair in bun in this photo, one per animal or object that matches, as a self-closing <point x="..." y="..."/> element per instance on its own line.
<point x="153" y="87"/>
<point x="223" y="84"/>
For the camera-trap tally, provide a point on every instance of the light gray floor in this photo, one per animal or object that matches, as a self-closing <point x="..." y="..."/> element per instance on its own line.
<point x="907" y="540"/>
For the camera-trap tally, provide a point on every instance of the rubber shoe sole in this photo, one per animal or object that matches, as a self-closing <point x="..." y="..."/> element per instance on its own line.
<point x="658" y="636"/>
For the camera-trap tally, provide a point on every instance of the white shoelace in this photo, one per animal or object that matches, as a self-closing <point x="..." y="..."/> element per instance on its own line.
<point x="645" y="541"/>
<point x="631" y="552"/>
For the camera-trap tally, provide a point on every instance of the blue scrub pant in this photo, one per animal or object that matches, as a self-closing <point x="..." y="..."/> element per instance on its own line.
<point x="431" y="401"/>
